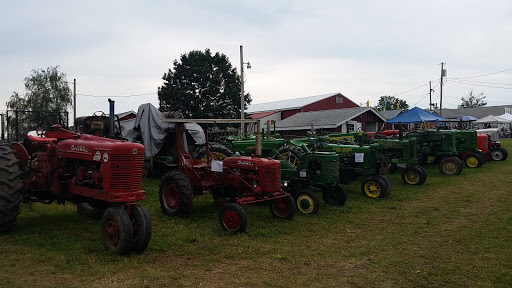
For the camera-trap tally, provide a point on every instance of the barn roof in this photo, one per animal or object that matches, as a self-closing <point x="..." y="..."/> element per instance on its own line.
<point x="322" y="119"/>
<point x="262" y="114"/>
<point x="288" y="104"/>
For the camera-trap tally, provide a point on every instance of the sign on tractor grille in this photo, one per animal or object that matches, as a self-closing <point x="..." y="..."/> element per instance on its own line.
<point x="126" y="172"/>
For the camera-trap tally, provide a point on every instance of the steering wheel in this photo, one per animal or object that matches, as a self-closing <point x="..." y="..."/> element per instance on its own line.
<point x="48" y="121"/>
<point x="101" y="113"/>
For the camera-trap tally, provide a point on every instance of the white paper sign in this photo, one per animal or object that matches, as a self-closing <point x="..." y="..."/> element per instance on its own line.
<point x="401" y="165"/>
<point x="303" y="174"/>
<point x="359" y="157"/>
<point x="216" y="166"/>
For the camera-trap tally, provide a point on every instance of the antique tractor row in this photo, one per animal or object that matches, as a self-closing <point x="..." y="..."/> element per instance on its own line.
<point x="98" y="174"/>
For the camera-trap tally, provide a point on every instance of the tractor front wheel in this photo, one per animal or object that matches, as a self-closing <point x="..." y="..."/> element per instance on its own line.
<point x="414" y="175"/>
<point x="474" y="160"/>
<point x="117" y="231"/>
<point x="335" y="195"/>
<point x="388" y="185"/>
<point x="499" y="154"/>
<point x="175" y="194"/>
<point x="141" y="224"/>
<point x="307" y="202"/>
<point x="450" y="166"/>
<point x="283" y="207"/>
<point x="374" y="187"/>
<point x="232" y="218"/>
<point x="10" y="188"/>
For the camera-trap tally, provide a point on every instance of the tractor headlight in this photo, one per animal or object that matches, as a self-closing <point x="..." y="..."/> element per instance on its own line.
<point x="285" y="183"/>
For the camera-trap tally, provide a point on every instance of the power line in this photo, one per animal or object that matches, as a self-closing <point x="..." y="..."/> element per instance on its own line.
<point x="473" y="81"/>
<point x="481" y="85"/>
<point x="483" y="74"/>
<point x="117" y="96"/>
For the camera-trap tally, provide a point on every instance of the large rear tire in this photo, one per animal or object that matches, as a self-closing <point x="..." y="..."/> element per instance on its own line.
<point x="217" y="152"/>
<point x="289" y="153"/>
<point x="117" y="231"/>
<point x="10" y="188"/>
<point x="450" y="166"/>
<point x="141" y="224"/>
<point x="175" y="194"/>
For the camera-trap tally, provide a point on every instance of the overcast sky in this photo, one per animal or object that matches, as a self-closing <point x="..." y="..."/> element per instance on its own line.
<point x="362" y="49"/>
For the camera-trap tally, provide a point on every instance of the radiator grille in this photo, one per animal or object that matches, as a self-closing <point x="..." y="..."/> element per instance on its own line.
<point x="126" y="172"/>
<point x="331" y="168"/>
<point x="271" y="181"/>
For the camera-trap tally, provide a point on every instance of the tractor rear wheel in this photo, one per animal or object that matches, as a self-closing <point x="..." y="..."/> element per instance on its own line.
<point x="474" y="160"/>
<point x="217" y="152"/>
<point x="10" y="188"/>
<point x="232" y="218"/>
<point x="117" y="231"/>
<point x="499" y="154"/>
<point x="175" y="194"/>
<point x="388" y="185"/>
<point x="141" y="224"/>
<point x="335" y="195"/>
<point x="374" y="187"/>
<point x="289" y="153"/>
<point x="450" y="166"/>
<point x="414" y="175"/>
<point x="307" y="202"/>
<point x="283" y="207"/>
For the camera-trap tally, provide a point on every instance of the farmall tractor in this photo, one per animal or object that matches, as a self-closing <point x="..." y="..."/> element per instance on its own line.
<point x="59" y="165"/>
<point x="492" y="149"/>
<point x="232" y="182"/>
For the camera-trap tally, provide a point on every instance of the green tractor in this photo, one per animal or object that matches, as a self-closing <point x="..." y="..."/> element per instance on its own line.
<point x="438" y="146"/>
<point x="466" y="143"/>
<point x="393" y="153"/>
<point x="355" y="161"/>
<point x="303" y="170"/>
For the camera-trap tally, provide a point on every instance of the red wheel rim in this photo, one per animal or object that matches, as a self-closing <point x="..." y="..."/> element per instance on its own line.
<point x="171" y="195"/>
<point x="281" y="207"/>
<point x="231" y="220"/>
<point x="112" y="233"/>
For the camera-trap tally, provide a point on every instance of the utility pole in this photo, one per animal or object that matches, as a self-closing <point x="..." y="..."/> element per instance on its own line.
<point x="430" y="92"/>
<point x="74" y="102"/>
<point x="443" y="73"/>
<point x="242" y="89"/>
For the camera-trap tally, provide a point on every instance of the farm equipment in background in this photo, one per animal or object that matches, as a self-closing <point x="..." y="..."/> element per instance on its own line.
<point x="466" y="143"/>
<point x="433" y="145"/>
<point x="493" y="150"/>
<point x="61" y="165"/>
<point x="233" y="182"/>
<point x="394" y="151"/>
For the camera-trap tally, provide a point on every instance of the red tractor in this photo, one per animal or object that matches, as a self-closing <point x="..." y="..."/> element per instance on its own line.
<point x="102" y="174"/>
<point x="232" y="182"/>
<point x="491" y="146"/>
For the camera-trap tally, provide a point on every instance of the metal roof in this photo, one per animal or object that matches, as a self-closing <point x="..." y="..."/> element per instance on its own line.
<point x="322" y="119"/>
<point x="478" y="112"/>
<point x="288" y="104"/>
<point x="390" y="113"/>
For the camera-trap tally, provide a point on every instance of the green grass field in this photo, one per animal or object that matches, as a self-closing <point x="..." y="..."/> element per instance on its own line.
<point x="453" y="231"/>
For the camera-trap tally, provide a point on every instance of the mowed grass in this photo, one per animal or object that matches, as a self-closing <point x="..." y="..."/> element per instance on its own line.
<point x="453" y="231"/>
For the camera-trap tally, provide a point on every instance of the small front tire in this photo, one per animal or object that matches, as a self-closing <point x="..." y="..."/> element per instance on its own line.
<point x="307" y="202"/>
<point x="232" y="218"/>
<point x="117" y="231"/>
<point x="283" y="207"/>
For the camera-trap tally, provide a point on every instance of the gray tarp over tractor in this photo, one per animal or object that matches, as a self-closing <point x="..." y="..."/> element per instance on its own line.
<point x="151" y="127"/>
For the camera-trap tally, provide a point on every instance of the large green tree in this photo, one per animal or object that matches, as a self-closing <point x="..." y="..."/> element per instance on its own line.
<point x="46" y="91"/>
<point x="391" y="103"/>
<point x="202" y="85"/>
<point x="473" y="100"/>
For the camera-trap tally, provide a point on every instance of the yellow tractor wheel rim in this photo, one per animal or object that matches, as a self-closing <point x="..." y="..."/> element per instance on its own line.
<point x="289" y="157"/>
<point x="472" y="161"/>
<point x="305" y="204"/>
<point x="214" y="156"/>
<point x="372" y="189"/>
<point x="412" y="177"/>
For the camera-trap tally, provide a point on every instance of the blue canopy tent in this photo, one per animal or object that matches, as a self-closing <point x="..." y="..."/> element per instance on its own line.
<point x="415" y="115"/>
